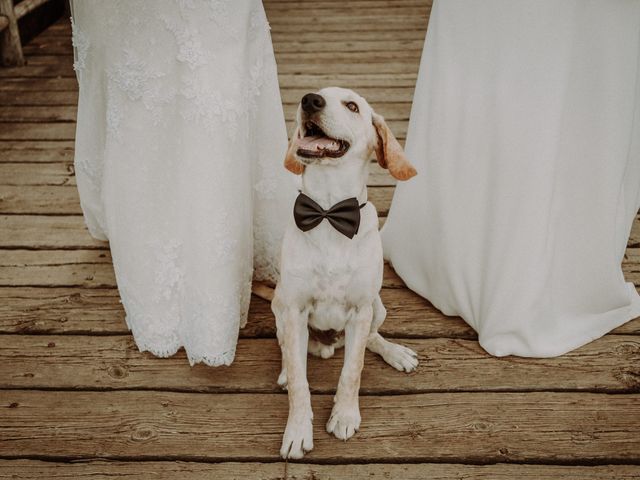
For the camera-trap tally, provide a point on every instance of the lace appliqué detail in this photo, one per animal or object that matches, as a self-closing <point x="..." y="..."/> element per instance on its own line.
<point x="80" y="42"/>
<point x="190" y="49"/>
<point x="209" y="107"/>
<point x="168" y="276"/>
<point x="188" y="321"/>
<point x="219" y="13"/>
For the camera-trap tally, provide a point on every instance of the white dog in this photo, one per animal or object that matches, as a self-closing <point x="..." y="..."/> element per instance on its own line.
<point x="331" y="267"/>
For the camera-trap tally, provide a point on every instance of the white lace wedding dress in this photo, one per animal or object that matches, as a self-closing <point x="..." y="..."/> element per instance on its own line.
<point x="179" y="147"/>
<point x="525" y="131"/>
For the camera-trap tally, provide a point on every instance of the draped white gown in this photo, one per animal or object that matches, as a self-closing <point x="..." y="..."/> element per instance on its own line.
<point x="179" y="147"/>
<point x="525" y="131"/>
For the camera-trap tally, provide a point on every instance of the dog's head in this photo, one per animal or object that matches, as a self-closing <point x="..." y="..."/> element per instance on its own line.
<point x="337" y="125"/>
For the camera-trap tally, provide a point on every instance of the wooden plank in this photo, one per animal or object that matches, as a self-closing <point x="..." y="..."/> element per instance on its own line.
<point x="61" y="173"/>
<point x="79" y="268"/>
<point x="58" y="200"/>
<point x="38" y="113"/>
<point x="28" y="84"/>
<point x="99" y="312"/>
<point x="100" y="470"/>
<point x="64" y="68"/>
<point x="290" y="95"/>
<point x="54" y="66"/>
<point x="46" y="232"/>
<point x="285" y="80"/>
<point x="609" y="364"/>
<point x="38" y="71"/>
<point x="443" y="427"/>
<point x="269" y="4"/>
<point x="286" y="10"/>
<point x="105" y="470"/>
<point x="38" y="98"/>
<point x="63" y="46"/>
<point x="280" y="35"/>
<point x="36" y="151"/>
<point x="355" y="17"/>
<point x="67" y="131"/>
<point x="64" y="199"/>
<point x="38" y="131"/>
<point x="403" y="57"/>
<point x="62" y="113"/>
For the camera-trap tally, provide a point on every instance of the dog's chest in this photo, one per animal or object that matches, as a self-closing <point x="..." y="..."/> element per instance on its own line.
<point x="341" y="276"/>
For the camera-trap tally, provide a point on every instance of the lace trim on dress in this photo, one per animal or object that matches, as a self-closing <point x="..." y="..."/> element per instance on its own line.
<point x="156" y="84"/>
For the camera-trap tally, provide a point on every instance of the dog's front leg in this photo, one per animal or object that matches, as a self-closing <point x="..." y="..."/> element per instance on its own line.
<point x="298" y="436"/>
<point x="345" y="416"/>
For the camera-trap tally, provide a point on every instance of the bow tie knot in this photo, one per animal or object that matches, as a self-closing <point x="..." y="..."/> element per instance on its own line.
<point x="344" y="216"/>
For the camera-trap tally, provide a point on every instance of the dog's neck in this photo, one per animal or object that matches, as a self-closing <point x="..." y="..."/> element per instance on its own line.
<point x="330" y="184"/>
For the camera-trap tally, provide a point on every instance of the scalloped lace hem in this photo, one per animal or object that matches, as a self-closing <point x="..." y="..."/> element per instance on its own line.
<point x="168" y="345"/>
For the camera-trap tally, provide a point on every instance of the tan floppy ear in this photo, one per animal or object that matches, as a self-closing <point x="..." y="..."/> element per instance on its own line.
<point x="389" y="152"/>
<point x="291" y="163"/>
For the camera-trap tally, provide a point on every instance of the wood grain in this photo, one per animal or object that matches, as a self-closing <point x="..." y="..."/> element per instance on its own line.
<point x="74" y="386"/>
<point x="36" y="151"/>
<point x="105" y="470"/>
<point x="610" y="364"/>
<point x="95" y="311"/>
<point x="99" y="312"/>
<point x="289" y="95"/>
<point x="92" y="268"/>
<point x="462" y="427"/>
<point x="64" y="199"/>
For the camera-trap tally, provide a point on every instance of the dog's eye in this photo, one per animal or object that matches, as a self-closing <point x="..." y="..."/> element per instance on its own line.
<point x="353" y="106"/>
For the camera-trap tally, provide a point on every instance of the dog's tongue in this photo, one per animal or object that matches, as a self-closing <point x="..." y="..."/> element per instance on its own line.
<point x="319" y="142"/>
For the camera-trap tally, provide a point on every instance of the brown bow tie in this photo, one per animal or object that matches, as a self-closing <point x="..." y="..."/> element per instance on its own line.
<point x="344" y="216"/>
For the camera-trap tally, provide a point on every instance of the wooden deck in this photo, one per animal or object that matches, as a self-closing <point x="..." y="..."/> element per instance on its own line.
<point x="78" y="400"/>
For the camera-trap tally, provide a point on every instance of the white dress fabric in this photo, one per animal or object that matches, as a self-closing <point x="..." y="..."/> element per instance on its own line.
<point x="179" y="147"/>
<point x="525" y="131"/>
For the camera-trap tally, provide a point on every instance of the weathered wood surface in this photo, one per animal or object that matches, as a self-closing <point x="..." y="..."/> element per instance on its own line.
<point x="286" y="81"/>
<point x="99" y="312"/>
<point x="74" y="386"/>
<point x="63" y="173"/>
<point x="69" y="231"/>
<point x="108" y="470"/>
<point x="374" y="95"/>
<point x="93" y="268"/>
<point x="67" y="113"/>
<point x="80" y="268"/>
<point x="64" y="199"/>
<point x="610" y="364"/>
<point x="465" y="427"/>
<point x="36" y="151"/>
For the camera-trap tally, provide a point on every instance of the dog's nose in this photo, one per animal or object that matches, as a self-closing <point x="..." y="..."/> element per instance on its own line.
<point x="312" y="103"/>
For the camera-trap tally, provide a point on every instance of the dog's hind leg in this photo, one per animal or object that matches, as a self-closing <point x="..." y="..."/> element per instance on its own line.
<point x="398" y="356"/>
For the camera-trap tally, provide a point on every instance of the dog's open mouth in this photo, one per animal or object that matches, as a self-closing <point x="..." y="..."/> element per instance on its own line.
<point x="317" y="144"/>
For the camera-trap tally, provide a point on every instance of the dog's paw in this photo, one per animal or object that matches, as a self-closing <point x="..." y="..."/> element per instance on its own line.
<point x="282" y="379"/>
<point x="344" y="421"/>
<point x="298" y="438"/>
<point x="400" y="357"/>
